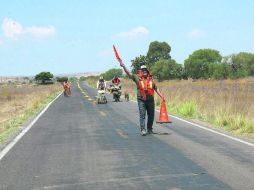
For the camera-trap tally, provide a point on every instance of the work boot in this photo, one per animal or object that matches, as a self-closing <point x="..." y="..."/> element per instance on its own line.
<point x="143" y="132"/>
<point x="150" y="131"/>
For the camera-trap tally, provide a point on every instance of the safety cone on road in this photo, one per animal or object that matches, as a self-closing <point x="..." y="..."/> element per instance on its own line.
<point x="163" y="113"/>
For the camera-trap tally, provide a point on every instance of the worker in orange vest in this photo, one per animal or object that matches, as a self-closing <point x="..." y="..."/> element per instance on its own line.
<point x="145" y="96"/>
<point x="67" y="89"/>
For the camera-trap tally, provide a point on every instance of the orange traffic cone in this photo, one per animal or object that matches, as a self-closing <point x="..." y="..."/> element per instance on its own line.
<point x="163" y="113"/>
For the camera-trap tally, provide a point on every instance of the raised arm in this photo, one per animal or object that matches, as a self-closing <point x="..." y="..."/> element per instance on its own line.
<point x="125" y="69"/>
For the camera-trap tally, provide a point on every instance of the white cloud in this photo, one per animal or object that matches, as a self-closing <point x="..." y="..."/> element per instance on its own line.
<point x="134" y="33"/>
<point x="196" y="34"/>
<point x="13" y="30"/>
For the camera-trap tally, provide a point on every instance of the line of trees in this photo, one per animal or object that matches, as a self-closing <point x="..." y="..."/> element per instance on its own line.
<point x="48" y="78"/>
<point x="201" y="64"/>
<point x="108" y="75"/>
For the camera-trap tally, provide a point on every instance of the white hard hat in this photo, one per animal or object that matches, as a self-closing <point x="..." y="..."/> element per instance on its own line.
<point x="143" y="67"/>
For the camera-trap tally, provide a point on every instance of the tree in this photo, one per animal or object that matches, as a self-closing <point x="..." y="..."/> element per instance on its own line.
<point x="61" y="79"/>
<point x="44" y="77"/>
<point x="158" y="50"/>
<point x="241" y="64"/>
<point x="245" y="61"/>
<point x="220" y="71"/>
<point x="82" y="78"/>
<point x="108" y="75"/>
<point x="91" y="78"/>
<point x="73" y="79"/>
<point x="167" y="69"/>
<point x="200" y="63"/>
<point x="251" y="70"/>
<point x="137" y="62"/>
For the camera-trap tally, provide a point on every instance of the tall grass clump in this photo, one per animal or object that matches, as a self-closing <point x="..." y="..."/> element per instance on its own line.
<point x="236" y="123"/>
<point x="187" y="109"/>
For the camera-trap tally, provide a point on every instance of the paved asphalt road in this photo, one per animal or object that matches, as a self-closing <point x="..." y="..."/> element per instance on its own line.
<point x="77" y="144"/>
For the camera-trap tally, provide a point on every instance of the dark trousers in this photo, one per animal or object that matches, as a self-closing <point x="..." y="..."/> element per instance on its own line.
<point x="146" y="107"/>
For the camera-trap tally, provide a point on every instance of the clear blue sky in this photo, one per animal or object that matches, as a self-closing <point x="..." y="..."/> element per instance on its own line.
<point x="67" y="36"/>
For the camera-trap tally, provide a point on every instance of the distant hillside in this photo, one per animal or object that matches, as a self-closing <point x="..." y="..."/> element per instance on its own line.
<point x="10" y="79"/>
<point x="25" y="79"/>
<point x="85" y="74"/>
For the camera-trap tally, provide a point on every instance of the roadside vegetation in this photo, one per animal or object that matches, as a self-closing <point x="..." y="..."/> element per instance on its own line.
<point x="91" y="80"/>
<point x="19" y="102"/>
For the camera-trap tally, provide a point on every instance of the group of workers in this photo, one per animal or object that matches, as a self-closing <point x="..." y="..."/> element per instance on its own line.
<point x="102" y="85"/>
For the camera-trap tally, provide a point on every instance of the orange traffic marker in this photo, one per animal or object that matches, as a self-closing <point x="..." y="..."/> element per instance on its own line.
<point x="163" y="113"/>
<point x="116" y="53"/>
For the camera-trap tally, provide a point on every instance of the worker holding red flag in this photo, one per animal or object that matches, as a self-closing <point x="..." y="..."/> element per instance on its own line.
<point x="145" y="95"/>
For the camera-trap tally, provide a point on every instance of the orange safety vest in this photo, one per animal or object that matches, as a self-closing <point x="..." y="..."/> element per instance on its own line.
<point x="65" y="86"/>
<point x="116" y="81"/>
<point x="146" y="86"/>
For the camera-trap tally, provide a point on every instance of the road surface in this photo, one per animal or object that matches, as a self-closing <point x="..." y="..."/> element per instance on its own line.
<point x="78" y="144"/>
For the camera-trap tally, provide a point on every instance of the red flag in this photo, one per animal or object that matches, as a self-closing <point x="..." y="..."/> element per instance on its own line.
<point x="117" y="55"/>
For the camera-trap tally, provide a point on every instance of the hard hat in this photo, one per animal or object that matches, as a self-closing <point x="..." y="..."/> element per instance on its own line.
<point x="143" y="67"/>
<point x="101" y="77"/>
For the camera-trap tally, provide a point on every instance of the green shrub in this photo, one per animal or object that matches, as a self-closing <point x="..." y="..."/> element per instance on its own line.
<point x="187" y="109"/>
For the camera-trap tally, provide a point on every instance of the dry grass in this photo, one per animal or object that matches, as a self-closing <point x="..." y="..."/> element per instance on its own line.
<point x="228" y="103"/>
<point x="92" y="81"/>
<point x="18" y="102"/>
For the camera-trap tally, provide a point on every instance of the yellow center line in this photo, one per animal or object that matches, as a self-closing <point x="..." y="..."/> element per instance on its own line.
<point x="122" y="133"/>
<point x="86" y="96"/>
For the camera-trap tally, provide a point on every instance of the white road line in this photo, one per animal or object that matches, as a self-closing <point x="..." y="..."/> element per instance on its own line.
<point x="12" y="143"/>
<point x="210" y="130"/>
